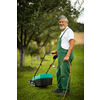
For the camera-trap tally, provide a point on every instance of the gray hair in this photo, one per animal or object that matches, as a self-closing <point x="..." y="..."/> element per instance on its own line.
<point x="62" y="16"/>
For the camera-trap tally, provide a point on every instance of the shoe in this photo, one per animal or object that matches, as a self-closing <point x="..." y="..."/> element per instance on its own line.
<point x="62" y="94"/>
<point x="57" y="91"/>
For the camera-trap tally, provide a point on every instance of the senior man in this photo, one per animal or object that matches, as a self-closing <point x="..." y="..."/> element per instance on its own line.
<point x="65" y="52"/>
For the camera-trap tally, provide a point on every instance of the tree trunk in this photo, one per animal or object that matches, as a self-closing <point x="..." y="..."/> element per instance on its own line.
<point x="44" y="50"/>
<point x="31" y="60"/>
<point x="36" y="57"/>
<point x="21" y="57"/>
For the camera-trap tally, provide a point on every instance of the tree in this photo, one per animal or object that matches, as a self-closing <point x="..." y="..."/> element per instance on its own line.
<point x="48" y="26"/>
<point x="32" y="50"/>
<point x="28" y="14"/>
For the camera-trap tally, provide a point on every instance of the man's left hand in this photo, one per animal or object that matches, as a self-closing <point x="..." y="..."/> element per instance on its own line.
<point x="66" y="58"/>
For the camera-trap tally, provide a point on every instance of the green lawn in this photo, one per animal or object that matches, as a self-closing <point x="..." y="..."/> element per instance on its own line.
<point x="28" y="92"/>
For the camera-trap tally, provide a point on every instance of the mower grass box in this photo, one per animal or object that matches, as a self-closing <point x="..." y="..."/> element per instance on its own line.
<point x="42" y="80"/>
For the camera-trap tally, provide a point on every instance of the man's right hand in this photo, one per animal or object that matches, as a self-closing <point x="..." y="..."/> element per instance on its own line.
<point x="54" y="52"/>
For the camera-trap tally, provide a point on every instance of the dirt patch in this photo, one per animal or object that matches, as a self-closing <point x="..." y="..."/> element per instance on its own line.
<point x="79" y="38"/>
<point x="34" y="68"/>
<point x="45" y="60"/>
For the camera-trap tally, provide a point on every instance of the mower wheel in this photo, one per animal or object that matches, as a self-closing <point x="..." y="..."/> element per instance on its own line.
<point x="33" y="84"/>
<point x="29" y="82"/>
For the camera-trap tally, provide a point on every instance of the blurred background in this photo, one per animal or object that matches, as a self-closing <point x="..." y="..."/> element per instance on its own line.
<point x="38" y="29"/>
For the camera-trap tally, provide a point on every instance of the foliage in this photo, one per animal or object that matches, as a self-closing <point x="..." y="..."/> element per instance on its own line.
<point x="48" y="47"/>
<point x="36" y="18"/>
<point x="78" y="27"/>
<point x="32" y="49"/>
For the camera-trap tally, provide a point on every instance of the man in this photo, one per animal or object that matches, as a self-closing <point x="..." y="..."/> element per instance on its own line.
<point x="65" y="52"/>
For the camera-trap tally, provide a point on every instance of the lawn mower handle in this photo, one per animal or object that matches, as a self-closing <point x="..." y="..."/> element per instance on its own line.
<point x="41" y="63"/>
<point x="54" y="58"/>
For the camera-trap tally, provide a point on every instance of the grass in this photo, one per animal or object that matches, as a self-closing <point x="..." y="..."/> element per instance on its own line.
<point x="28" y="92"/>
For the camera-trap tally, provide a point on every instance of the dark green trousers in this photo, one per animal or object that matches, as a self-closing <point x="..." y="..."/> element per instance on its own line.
<point x="62" y="74"/>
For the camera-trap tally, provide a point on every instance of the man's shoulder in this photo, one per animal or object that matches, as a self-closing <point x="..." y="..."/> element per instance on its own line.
<point x="70" y="30"/>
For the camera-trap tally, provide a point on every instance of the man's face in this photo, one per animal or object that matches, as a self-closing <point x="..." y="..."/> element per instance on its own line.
<point x="62" y="23"/>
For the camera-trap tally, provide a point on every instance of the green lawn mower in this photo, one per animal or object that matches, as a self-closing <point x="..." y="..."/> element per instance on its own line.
<point x="43" y="80"/>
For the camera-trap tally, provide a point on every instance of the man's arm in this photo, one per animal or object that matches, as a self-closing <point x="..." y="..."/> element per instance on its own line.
<point x="71" y="41"/>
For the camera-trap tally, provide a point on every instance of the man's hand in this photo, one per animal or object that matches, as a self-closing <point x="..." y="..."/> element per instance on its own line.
<point x="66" y="58"/>
<point x="54" y="52"/>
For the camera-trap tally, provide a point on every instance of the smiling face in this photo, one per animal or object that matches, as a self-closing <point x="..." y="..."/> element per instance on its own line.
<point x="62" y="24"/>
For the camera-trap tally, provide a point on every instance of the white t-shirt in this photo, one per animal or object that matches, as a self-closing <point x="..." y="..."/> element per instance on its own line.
<point x="69" y="34"/>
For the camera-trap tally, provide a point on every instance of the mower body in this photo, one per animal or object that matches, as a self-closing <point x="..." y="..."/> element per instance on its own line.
<point x="42" y="80"/>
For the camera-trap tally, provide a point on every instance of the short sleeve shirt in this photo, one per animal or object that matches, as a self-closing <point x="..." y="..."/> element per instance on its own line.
<point x="69" y="34"/>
